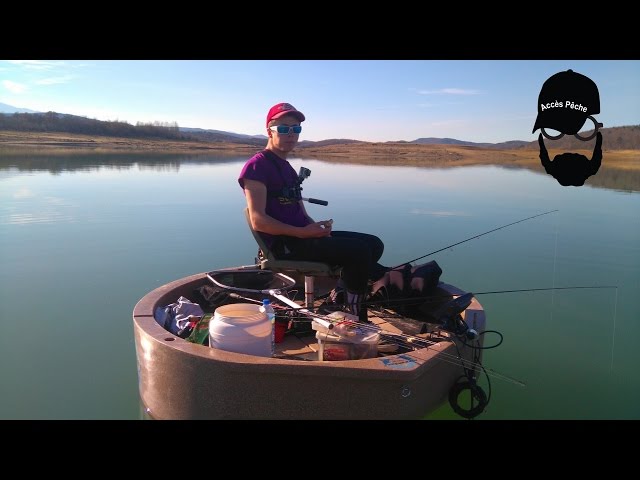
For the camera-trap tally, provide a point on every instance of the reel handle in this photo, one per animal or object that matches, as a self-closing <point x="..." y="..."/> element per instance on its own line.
<point x="315" y="200"/>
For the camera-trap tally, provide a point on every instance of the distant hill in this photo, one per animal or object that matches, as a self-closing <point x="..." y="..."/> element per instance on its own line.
<point x="4" y="108"/>
<point x="331" y="141"/>
<point x="199" y="131"/>
<point x="613" y="138"/>
<point x="22" y="119"/>
<point x="452" y="141"/>
<point x="65" y="123"/>
<point x="221" y="136"/>
<point x="447" y="141"/>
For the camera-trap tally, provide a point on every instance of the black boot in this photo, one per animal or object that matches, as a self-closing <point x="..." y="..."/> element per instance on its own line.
<point x="336" y="299"/>
<point x="356" y="303"/>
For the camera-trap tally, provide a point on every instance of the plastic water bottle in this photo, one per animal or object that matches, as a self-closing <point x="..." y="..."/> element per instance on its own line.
<point x="271" y="315"/>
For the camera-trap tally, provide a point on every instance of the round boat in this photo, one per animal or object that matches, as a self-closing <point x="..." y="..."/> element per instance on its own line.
<point x="179" y="379"/>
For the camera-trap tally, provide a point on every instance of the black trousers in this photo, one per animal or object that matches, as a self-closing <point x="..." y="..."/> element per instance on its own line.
<point x="357" y="253"/>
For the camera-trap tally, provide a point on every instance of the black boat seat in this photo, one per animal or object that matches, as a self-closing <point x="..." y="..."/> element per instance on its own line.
<point x="268" y="261"/>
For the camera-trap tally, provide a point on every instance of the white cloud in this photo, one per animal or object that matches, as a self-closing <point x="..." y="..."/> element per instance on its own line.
<point x="54" y="80"/>
<point x="450" y="91"/>
<point x="37" y="64"/>
<point x="14" y="87"/>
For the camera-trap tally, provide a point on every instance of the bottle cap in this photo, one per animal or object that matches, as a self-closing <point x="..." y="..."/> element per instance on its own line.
<point x="266" y="301"/>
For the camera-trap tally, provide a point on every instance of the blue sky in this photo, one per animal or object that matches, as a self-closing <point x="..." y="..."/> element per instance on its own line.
<point x="369" y="100"/>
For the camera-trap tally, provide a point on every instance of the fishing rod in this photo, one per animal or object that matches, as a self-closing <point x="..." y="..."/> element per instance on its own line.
<point x="420" y="300"/>
<point x="463" y="299"/>
<point x="476" y="236"/>
<point x="411" y="342"/>
<point x="445" y="318"/>
<point x="315" y="200"/>
<point x="546" y="289"/>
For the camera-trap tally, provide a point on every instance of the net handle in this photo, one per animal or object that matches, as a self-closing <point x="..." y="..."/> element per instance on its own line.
<point x="289" y="282"/>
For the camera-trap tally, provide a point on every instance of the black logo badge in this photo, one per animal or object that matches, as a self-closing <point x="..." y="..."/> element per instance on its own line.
<point x="566" y="101"/>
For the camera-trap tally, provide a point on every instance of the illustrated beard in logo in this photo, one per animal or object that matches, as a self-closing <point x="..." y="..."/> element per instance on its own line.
<point x="571" y="169"/>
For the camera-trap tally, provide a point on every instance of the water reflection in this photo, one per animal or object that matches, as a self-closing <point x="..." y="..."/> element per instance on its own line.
<point x="55" y="163"/>
<point x="622" y="180"/>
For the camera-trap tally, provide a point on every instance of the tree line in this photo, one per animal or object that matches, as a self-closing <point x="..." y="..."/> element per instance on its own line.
<point x="64" y="123"/>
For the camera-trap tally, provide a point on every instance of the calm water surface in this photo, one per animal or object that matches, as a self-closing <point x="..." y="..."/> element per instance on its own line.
<point x="83" y="238"/>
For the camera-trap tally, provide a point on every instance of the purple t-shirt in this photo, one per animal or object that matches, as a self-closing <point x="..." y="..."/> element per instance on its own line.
<point x="275" y="172"/>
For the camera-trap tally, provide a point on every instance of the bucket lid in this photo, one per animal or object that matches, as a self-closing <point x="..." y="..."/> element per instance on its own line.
<point x="239" y="312"/>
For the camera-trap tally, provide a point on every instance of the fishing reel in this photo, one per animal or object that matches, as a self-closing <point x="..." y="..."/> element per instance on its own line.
<point x="449" y="316"/>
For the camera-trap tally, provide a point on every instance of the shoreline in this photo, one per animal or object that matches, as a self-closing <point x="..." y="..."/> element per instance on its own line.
<point x="405" y="154"/>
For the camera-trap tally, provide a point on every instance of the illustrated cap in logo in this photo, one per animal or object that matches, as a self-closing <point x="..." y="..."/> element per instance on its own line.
<point x="565" y="101"/>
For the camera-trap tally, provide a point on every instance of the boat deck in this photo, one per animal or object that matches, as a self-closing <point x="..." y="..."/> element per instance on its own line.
<point x="298" y="345"/>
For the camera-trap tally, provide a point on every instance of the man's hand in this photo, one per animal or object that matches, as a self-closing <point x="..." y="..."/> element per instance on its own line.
<point x="317" y="229"/>
<point x="327" y="223"/>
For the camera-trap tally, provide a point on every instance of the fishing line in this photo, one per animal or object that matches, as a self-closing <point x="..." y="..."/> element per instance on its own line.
<point x="476" y="236"/>
<point x="412" y="341"/>
<point x="546" y="289"/>
<point x="413" y="301"/>
<point x="613" y="339"/>
<point x="553" y="276"/>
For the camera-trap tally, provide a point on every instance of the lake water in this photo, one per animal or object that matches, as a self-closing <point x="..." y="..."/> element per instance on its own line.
<point x="83" y="238"/>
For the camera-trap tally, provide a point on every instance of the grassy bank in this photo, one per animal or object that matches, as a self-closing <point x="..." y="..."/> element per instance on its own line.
<point x="20" y="143"/>
<point x="64" y="143"/>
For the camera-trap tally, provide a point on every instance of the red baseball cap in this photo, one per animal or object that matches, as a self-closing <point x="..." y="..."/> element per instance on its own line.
<point x="282" y="109"/>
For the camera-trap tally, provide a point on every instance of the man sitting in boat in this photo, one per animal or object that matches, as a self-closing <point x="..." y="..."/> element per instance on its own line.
<point x="272" y="189"/>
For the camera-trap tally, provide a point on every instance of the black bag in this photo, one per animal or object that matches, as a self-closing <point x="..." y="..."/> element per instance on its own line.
<point x="401" y="284"/>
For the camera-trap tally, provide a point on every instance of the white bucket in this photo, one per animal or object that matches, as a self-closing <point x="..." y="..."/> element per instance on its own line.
<point x="241" y="328"/>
